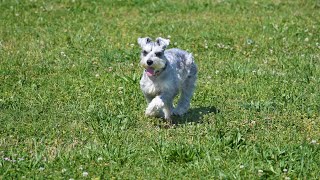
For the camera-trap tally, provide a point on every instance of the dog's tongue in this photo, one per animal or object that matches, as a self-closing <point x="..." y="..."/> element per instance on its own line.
<point x="150" y="71"/>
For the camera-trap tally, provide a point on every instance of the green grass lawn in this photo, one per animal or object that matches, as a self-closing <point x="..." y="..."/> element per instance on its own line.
<point x="71" y="106"/>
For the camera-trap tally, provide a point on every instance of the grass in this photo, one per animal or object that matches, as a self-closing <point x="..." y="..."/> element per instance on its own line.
<point x="71" y="107"/>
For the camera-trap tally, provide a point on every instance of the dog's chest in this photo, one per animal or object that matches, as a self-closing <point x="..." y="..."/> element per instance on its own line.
<point x="154" y="88"/>
<point x="150" y="88"/>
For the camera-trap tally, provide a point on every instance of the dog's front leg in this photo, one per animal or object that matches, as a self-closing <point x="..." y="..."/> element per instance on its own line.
<point x="167" y="113"/>
<point x="167" y="106"/>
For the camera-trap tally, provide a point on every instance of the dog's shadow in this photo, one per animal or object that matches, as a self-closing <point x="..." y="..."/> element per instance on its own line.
<point x="194" y="115"/>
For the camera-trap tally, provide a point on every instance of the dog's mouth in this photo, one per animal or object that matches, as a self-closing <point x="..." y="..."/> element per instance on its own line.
<point x="150" y="71"/>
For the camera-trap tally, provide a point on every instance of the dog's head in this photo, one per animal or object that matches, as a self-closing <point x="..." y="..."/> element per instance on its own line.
<point x="152" y="54"/>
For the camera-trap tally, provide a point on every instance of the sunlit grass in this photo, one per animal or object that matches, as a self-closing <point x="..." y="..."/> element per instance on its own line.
<point x="71" y="107"/>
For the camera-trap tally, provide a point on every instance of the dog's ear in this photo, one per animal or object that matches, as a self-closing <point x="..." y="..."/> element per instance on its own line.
<point x="162" y="42"/>
<point x="143" y="41"/>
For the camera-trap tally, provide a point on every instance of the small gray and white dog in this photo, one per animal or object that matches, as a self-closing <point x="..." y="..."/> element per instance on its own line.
<point x="167" y="72"/>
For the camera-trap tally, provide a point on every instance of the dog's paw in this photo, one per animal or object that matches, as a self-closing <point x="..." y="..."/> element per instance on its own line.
<point x="151" y="112"/>
<point x="157" y="102"/>
<point x="178" y="112"/>
<point x="155" y="106"/>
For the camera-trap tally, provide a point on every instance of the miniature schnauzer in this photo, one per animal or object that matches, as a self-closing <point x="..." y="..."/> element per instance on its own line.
<point x="167" y="72"/>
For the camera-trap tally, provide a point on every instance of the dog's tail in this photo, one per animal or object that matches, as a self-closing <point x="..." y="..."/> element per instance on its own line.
<point x="193" y="69"/>
<point x="189" y="59"/>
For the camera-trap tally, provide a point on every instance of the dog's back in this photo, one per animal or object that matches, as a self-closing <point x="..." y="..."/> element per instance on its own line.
<point x="182" y="62"/>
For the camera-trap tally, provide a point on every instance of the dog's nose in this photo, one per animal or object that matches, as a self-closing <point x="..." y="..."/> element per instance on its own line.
<point x="149" y="62"/>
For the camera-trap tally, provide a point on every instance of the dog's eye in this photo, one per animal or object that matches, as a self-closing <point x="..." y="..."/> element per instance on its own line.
<point x="144" y="53"/>
<point x="158" y="54"/>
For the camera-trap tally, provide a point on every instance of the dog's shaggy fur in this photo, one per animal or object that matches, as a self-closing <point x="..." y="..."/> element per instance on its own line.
<point x="167" y="72"/>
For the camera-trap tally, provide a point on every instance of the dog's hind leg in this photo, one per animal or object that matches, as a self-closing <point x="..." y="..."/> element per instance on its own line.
<point x="187" y="90"/>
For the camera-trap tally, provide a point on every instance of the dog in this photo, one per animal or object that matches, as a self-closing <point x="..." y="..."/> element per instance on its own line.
<point x="166" y="73"/>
